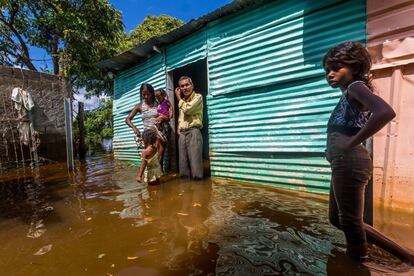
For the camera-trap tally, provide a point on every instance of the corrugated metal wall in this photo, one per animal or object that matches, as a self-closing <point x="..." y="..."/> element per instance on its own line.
<point x="187" y="51"/>
<point x="279" y="42"/>
<point x="268" y="102"/>
<point x="275" y="135"/>
<point x="126" y="96"/>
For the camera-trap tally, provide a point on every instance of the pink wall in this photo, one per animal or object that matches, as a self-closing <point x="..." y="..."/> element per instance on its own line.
<point x="394" y="144"/>
<point x="390" y="27"/>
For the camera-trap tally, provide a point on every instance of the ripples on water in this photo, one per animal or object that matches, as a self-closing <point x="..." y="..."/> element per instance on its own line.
<point x="99" y="221"/>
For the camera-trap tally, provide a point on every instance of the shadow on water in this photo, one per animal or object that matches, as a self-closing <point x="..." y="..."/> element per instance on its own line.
<point x="99" y="221"/>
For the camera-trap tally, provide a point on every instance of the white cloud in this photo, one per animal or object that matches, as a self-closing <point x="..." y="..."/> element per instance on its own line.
<point x="91" y="102"/>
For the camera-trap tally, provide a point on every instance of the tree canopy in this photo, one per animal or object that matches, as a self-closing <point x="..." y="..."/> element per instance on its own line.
<point x="75" y="33"/>
<point x="151" y="26"/>
<point x="98" y="123"/>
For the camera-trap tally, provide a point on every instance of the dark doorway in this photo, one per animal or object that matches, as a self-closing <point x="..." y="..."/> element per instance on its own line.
<point x="197" y="71"/>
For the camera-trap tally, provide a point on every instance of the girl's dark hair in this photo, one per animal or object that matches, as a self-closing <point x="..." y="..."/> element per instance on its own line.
<point x="353" y="55"/>
<point x="162" y="91"/>
<point x="150" y="90"/>
<point x="149" y="136"/>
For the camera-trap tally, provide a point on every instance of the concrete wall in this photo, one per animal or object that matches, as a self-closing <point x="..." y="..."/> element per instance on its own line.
<point x="48" y="113"/>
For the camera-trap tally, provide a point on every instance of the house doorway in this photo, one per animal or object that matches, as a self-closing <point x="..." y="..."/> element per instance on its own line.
<point x="197" y="71"/>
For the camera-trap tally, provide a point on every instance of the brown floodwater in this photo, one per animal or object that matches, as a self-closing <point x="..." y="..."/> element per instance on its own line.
<point x="99" y="221"/>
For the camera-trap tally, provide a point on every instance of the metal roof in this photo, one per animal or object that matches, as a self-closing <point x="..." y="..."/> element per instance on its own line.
<point x="141" y="52"/>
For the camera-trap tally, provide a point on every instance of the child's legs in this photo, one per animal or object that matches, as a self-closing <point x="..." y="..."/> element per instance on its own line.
<point x="155" y="182"/>
<point x="350" y="174"/>
<point x="349" y="196"/>
<point x="385" y="243"/>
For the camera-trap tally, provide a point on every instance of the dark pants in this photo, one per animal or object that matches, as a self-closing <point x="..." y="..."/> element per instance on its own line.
<point x="351" y="171"/>
<point x="190" y="152"/>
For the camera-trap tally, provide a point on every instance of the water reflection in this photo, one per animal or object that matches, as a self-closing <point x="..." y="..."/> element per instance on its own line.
<point x="99" y="221"/>
<point x="26" y="197"/>
<point x="39" y="206"/>
<point x="189" y="210"/>
<point x="134" y="197"/>
<point x="268" y="233"/>
<point x="339" y="263"/>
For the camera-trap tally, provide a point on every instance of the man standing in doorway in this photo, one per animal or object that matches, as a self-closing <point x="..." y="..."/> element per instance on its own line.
<point x="190" y="121"/>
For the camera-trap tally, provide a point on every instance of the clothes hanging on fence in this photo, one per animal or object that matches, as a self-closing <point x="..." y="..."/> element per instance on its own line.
<point x="23" y="103"/>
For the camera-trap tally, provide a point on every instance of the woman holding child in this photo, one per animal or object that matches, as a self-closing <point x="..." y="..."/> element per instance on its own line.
<point x="155" y="117"/>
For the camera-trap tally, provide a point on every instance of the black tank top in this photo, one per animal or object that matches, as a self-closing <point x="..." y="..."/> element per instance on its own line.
<point x="345" y="118"/>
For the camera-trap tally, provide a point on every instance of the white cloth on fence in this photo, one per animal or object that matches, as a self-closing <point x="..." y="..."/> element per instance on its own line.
<point x="22" y="98"/>
<point x="23" y="102"/>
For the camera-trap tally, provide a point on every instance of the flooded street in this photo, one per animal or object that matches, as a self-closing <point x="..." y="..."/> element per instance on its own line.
<point x="99" y="221"/>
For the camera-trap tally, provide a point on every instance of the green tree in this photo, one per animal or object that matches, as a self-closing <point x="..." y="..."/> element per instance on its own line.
<point x="98" y="124"/>
<point x="151" y="26"/>
<point x="75" y="33"/>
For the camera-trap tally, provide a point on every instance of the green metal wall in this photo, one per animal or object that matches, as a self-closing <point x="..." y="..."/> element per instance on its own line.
<point x="279" y="42"/>
<point x="268" y="102"/>
<point x="187" y="51"/>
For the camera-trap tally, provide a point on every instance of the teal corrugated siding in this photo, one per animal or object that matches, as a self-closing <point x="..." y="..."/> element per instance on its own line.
<point x="126" y="96"/>
<point x="186" y="51"/>
<point x="280" y="42"/>
<point x="275" y="136"/>
<point x="284" y="119"/>
<point x="301" y="173"/>
<point x="269" y="102"/>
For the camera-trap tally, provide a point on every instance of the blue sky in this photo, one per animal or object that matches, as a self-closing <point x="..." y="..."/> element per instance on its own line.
<point x="134" y="11"/>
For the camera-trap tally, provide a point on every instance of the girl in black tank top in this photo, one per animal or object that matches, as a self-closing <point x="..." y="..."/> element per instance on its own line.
<point x="358" y="115"/>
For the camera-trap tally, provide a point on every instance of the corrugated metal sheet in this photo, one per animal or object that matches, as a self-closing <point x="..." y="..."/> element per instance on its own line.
<point x="276" y="135"/>
<point x="284" y="119"/>
<point x="291" y="172"/>
<point x="187" y="51"/>
<point x="279" y="42"/>
<point x="269" y="102"/>
<point x="126" y="96"/>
